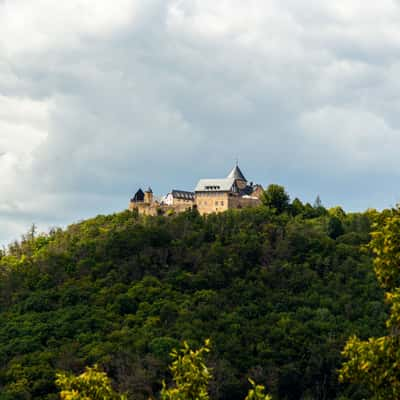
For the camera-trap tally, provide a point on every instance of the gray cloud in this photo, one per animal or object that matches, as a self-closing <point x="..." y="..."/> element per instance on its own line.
<point x="97" y="98"/>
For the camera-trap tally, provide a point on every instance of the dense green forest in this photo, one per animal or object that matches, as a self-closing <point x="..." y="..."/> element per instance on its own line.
<point x="278" y="290"/>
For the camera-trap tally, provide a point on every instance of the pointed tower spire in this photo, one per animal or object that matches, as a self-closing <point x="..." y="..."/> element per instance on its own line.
<point x="236" y="173"/>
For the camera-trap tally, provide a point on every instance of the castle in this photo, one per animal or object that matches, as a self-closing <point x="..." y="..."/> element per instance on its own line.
<point x="209" y="196"/>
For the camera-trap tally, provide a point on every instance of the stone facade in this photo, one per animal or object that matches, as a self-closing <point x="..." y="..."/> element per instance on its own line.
<point x="148" y="196"/>
<point x="208" y="203"/>
<point x="210" y="196"/>
<point x="157" y="208"/>
<point x="243" y="201"/>
<point x="179" y="197"/>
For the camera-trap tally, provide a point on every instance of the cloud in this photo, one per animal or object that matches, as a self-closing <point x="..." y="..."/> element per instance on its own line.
<point x="45" y="24"/>
<point x="23" y="123"/>
<point x="97" y="98"/>
<point x="356" y="139"/>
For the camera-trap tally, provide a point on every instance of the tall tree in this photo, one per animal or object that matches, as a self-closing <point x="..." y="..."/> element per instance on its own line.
<point x="92" y="384"/>
<point x="318" y="202"/>
<point x="276" y="198"/>
<point x="190" y="376"/>
<point x="335" y="227"/>
<point x="376" y="361"/>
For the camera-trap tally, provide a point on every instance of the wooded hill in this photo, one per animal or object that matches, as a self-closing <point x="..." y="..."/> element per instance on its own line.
<point x="278" y="290"/>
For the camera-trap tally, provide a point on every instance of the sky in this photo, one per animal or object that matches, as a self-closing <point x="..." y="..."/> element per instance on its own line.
<point x="98" y="98"/>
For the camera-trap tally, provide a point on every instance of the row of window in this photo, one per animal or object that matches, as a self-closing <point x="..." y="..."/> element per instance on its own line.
<point x="208" y="194"/>
<point x="204" y="203"/>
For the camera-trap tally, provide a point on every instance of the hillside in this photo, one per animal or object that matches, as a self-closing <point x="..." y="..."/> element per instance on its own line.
<point x="278" y="294"/>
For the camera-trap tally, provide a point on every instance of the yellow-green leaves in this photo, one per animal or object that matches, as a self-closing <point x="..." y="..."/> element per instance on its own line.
<point x="92" y="384"/>
<point x="189" y="373"/>
<point x="376" y="362"/>
<point x="257" y="392"/>
<point x="190" y="376"/>
<point x="385" y="244"/>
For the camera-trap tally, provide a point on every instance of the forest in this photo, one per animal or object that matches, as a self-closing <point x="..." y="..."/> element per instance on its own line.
<point x="277" y="289"/>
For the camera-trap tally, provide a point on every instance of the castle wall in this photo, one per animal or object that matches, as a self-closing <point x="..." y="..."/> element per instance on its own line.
<point x="184" y="202"/>
<point x="211" y="202"/>
<point x="241" y="202"/>
<point x="154" y="209"/>
<point x="206" y="203"/>
<point x="143" y="208"/>
<point x="148" y="197"/>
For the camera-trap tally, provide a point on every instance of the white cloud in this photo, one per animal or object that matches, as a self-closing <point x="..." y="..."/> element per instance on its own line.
<point x="97" y="98"/>
<point x="354" y="139"/>
<point x="27" y="26"/>
<point x="23" y="127"/>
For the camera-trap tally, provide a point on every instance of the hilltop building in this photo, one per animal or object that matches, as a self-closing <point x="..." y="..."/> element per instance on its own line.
<point x="209" y="196"/>
<point x="216" y="195"/>
<point x="178" y="197"/>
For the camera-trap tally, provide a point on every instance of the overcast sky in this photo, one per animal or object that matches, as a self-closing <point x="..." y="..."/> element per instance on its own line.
<point x="99" y="97"/>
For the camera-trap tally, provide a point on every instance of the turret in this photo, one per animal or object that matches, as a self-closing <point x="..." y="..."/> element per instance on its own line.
<point x="148" y="196"/>
<point x="237" y="174"/>
<point x="138" y="197"/>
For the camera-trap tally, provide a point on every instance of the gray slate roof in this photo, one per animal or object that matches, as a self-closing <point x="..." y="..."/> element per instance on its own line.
<point x="236" y="173"/>
<point x="215" y="185"/>
<point x="138" y="197"/>
<point x="182" y="194"/>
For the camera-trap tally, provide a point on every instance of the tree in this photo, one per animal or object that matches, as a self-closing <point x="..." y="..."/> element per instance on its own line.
<point x="257" y="392"/>
<point x="337" y="212"/>
<point x="335" y="227"/>
<point x="276" y="198"/>
<point x="189" y="373"/>
<point x="191" y="377"/>
<point x="122" y="291"/>
<point x="318" y="202"/>
<point x="375" y="362"/>
<point x="92" y="384"/>
<point x="297" y="207"/>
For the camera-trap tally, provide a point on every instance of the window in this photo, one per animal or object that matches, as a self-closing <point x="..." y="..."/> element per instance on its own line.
<point x="222" y="203"/>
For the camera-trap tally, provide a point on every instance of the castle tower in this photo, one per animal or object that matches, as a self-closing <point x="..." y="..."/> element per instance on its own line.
<point x="148" y="196"/>
<point x="237" y="174"/>
<point x="138" y="197"/>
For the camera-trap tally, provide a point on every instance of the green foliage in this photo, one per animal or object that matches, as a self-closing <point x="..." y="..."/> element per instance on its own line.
<point x="276" y="198"/>
<point x="277" y="296"/>
<point x="189" y="374"/>
<point x="337" y="212"/>
<point x="257" y="392"/>
<point x="375" y="362"/>
<point x="385" y="244"/>
<point x="90" y="385"/>
<point x="335" y="228"/>
<point x="297" y="207"/>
